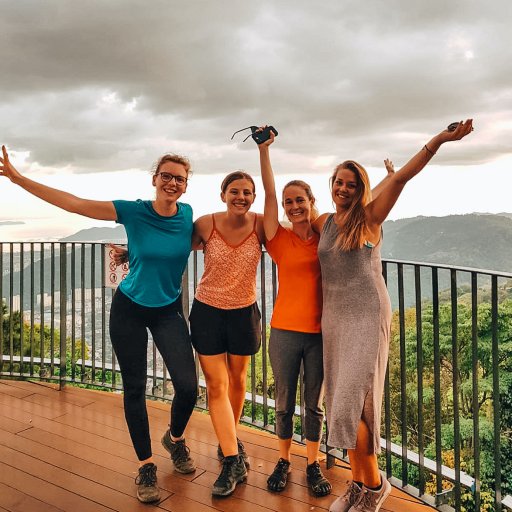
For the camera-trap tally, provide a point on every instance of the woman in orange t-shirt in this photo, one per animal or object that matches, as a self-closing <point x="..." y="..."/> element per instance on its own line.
<point x="295" y="335"/>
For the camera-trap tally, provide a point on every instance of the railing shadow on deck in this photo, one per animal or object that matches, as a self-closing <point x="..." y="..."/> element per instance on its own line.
<point x="447" y="422"/>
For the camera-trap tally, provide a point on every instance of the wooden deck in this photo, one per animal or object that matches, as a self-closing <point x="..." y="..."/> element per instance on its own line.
<point x="70" y="451"/>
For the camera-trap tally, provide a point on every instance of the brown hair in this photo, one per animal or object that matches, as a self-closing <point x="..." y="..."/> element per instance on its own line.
<point x="352" y="223"/>
<point x="309" y="193"/>
<point x="172" y="157"/>
<point x="236" y="175"/>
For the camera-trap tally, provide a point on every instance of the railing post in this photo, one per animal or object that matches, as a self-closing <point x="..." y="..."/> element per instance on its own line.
<point x="62" y="314"/>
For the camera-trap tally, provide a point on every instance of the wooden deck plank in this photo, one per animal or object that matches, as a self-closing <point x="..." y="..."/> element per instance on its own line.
<point x="47" y="492"/>
<point x="77" y="444"/>
<point x="17" y="501"/>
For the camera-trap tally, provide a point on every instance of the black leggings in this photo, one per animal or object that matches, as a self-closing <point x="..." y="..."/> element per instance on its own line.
<point x="128" y="332"/>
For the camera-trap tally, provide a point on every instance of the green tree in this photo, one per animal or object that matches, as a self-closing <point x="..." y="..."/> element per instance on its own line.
<point x="20" y="341"/>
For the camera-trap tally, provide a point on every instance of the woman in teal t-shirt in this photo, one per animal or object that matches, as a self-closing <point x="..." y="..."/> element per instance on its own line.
<point x="159" y="235"/>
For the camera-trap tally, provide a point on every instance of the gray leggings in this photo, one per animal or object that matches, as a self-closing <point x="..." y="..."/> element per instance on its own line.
<point x="287" y="349"/>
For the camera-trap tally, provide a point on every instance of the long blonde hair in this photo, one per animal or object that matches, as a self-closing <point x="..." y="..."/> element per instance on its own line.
<point x="352" y="224"/>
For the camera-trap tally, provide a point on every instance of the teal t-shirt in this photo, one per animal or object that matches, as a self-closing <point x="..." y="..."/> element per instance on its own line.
<point x="158" y="251"/>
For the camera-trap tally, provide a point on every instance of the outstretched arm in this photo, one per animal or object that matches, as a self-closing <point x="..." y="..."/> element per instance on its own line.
<point x="270" y="215"/>
<point x="103" y="210"/>
<point x="379" y="208"/>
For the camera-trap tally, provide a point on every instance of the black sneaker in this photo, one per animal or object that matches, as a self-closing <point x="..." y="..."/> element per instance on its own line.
<point x="180" y="454"/>
<point x="241" y="451"/>
<point x="277" y="480"/>
<point x="147" y="490"/>
<point x="317" y="482"/>
<point x="233" y="472"/>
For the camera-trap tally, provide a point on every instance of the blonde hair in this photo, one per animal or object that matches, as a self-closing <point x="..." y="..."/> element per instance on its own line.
<point x="352" y="224"/>
<point x="309" y="193"/>
<point x="172" y="157"/>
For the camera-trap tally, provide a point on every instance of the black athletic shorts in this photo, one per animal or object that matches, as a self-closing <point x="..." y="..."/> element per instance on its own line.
<point x="217" y="331"/>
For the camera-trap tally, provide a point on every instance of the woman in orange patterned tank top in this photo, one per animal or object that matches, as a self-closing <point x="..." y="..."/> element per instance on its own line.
<point x="225" y="319"/>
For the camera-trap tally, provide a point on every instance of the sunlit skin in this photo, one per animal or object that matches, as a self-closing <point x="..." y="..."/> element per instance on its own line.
<point x="167" y="194"/>
<point x="238" y="197"/>
<point x="344" y="189"/>
<point x="225" y="374"/>
<point x="297" y="206"/>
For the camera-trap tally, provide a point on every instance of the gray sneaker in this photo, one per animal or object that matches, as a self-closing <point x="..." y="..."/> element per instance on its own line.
<point x="233" y="472"/>
<point x="371" y="501"/>
<point x="346" y="501"/>
<point x="147" y="490"/>
<point x="180" y="454"/>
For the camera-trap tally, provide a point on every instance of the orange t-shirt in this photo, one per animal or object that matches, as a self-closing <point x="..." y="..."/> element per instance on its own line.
<point x="298" y="305"/>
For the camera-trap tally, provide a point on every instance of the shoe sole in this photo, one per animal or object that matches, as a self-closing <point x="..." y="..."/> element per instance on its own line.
<point x="147" y="501"/>
<point x="188" y="471"/>
<point x="384" y="498"/>
<point x="231" y="491"/>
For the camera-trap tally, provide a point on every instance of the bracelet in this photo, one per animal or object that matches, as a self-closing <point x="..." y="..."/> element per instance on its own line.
<point x="428" y="150"/>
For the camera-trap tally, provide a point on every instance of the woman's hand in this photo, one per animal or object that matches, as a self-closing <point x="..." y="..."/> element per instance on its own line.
<point x="7" y="169"/>
<point x="389" y="166"/>
<point x="101" y="210"/>
<point x="267" y="143"/>
<point x="463" y="129"/>
<point x="119" y="254"/>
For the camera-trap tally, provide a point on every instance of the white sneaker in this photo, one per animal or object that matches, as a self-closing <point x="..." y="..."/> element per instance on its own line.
<point x="346" y="501"/>
<point x="371" y="501"/>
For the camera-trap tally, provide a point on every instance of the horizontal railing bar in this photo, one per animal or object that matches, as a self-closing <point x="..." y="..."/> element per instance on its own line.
<point x="487" y="272"/>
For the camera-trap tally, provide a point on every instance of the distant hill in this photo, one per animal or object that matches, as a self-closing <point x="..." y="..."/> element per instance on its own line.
<point x="473" y="240"/>
<point x="115" y="235"/>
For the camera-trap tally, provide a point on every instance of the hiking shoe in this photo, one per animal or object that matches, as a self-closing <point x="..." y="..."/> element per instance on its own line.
<point x="351" y="497"/>
<point x="233" y="472"/>
<point x="147" y="490"/>
<point x="370" y="500"/>
<point x="180" y="454"/>
<point x="317" y="482"/>
<point x="241" y="451"/>
<point x="277" y="480"/>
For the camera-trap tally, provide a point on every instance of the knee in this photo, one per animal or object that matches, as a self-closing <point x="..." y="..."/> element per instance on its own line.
<point x="237" y="380"/>
<point x="187" y="392"/>
<point x="134" y="389"/>
<point x="314" y="410"/>
<point x="217" y="388"/>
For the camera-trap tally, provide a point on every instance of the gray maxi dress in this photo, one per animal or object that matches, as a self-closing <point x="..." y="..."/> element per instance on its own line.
<point x="356" y="320"/>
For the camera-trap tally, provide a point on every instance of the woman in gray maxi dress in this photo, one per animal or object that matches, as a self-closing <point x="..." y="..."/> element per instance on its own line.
<point x="356" y="317"/>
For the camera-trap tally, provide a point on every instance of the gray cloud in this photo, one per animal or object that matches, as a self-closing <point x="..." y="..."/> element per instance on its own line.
<point x="98" y="85"/>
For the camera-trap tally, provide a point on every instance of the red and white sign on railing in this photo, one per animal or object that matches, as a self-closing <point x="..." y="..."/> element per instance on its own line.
<point x="114" y="274"/>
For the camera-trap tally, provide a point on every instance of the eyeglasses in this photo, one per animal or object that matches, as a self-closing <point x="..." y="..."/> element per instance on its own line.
<point x="168" y="177"/>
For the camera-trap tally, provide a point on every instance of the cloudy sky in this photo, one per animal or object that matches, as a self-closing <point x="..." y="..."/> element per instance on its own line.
<point x="92" y="92"/>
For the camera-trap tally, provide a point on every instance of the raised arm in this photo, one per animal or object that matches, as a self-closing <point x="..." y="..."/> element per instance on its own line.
<point x="379" y="208"/>
<point x="270" y="212"/>
<point x="103" y="210"/>
<point x="383" y="183"/>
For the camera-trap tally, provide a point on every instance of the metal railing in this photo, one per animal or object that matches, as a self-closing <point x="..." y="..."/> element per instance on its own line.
<point x="447" y="412"/>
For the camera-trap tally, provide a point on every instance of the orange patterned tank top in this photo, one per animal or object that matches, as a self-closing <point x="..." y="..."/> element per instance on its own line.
<point x="229" y="278"/>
